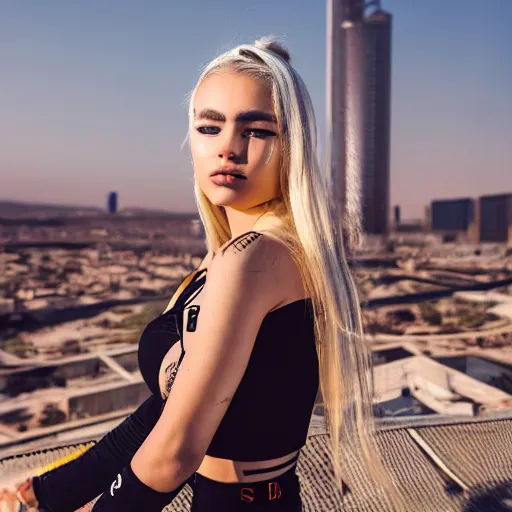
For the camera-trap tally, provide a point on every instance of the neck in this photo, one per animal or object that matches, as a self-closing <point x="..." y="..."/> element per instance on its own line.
<point x="241" y="221"/>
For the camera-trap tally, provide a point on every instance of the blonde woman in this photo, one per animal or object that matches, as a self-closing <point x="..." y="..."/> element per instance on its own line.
<point x="271" y="314"/>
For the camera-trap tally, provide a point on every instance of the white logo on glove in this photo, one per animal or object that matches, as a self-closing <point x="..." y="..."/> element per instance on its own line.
<point x="116" y="484"/>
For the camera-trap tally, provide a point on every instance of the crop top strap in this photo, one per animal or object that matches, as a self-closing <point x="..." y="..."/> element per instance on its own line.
<point x="187" y="296"/>
<point x="181" y="288"/>
<point x="198" y="286"/>
<point x="195" y="285"/>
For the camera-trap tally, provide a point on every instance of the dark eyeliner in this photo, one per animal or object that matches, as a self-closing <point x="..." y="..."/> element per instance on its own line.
<point x="202" y="129"/>
<point x="262" y="132"/>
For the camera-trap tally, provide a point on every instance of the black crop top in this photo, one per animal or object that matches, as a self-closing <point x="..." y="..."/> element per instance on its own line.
<point x="162" y="333"/>
<point x="269" y="414"/>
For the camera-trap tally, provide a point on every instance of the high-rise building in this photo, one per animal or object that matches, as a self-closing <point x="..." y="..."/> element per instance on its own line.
<point x="494" y="218"/>
<point x="377" y="116"/>
<point x="396" y="211"/>
<point x="358" y="110"/>
<point x="112" y="202"/>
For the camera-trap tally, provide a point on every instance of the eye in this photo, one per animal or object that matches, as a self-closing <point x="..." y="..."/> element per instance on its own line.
<point x="208" y="130"/>
<point x="259" y="133"/>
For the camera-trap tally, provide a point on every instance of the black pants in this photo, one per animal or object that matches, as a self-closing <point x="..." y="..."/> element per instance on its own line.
<point x="275" y="494"/>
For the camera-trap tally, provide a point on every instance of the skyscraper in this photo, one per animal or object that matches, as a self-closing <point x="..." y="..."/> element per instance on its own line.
<point x="358" y="111"/>
<point x="112" y="202"/>
<point x="397" y="218"/>
<point x="377" y="101"/>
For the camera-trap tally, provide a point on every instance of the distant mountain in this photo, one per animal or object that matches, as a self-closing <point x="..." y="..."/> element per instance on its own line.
<point x="19" y="210"/>
<point x="140" y="212"/>
<point x="16" y="209"/>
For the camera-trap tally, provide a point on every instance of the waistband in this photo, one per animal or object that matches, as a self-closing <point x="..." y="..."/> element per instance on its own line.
<point x="283" y="488"/>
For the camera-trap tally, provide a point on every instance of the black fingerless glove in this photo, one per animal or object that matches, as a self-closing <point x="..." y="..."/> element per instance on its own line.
<point x="128" y="494"/>
<point x="69" y="487"/>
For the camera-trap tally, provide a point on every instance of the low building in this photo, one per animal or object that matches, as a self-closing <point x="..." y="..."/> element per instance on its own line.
<point x="452" y="218"/>
<point x="452" y="214"/>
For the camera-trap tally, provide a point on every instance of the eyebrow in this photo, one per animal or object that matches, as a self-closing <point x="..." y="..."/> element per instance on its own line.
<point x="242" y="117"/>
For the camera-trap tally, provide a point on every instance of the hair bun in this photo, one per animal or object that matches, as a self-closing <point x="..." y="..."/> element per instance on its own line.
<point x="270" y="44"/>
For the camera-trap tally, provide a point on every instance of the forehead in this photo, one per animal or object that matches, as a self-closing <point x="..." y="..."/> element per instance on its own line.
<point x="230" y="92"/>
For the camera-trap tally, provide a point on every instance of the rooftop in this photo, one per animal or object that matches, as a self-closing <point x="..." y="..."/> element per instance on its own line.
<point x="441" y="463"/>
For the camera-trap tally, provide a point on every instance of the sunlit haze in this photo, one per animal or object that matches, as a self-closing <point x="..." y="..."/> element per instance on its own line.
<point x="93" y="94"/>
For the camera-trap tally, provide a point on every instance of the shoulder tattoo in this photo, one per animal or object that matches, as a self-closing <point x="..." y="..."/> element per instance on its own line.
<point x="243" y="241"/>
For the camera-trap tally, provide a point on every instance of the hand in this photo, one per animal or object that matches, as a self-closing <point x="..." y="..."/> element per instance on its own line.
<point x="86" y="508"/>
<point x="8" y="501"/>
<point x="26" y="495"/>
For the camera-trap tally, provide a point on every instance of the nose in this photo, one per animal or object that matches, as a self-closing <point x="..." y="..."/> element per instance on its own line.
<point x="227" y="155"/>
<point x="231" y="146"/>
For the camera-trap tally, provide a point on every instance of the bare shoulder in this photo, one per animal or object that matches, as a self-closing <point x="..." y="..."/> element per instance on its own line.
<point x="253" y="261"/>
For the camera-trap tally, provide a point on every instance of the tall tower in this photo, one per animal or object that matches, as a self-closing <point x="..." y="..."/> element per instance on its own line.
<point x="112" y="202"/>
<point x="377" y="104"/>
<point x="397" y="219"/>
<point x="358" y="111"/>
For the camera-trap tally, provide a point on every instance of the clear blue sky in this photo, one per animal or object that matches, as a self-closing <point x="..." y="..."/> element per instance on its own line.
<point x="92" y="93"/>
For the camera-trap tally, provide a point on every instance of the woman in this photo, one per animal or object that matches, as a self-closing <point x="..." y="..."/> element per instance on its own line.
<point x="270" y="314"/>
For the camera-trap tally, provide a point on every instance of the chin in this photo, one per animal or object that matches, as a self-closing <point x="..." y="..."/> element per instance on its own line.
<point x="224" y="198"/>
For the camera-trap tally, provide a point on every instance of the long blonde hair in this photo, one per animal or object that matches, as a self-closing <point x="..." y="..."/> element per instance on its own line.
<point x="314" y="235"/>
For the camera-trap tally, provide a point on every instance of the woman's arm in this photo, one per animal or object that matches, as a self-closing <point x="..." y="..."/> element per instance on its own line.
<point x="243" y="285"/>
<point x="74" y="484"/>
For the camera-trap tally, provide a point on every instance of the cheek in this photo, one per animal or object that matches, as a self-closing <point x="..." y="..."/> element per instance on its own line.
<point x="263" y="151"/>
<point x="270" y="150"/>
<point x="201" y="148"/>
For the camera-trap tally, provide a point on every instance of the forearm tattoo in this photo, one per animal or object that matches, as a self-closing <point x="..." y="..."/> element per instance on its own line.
<point x="170" y="376"/>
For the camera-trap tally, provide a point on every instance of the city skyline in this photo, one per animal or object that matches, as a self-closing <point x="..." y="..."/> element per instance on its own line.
<point x="93" y="98"/>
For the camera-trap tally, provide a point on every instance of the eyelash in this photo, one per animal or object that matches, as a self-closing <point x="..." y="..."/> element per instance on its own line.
<point x="260" y="133"/>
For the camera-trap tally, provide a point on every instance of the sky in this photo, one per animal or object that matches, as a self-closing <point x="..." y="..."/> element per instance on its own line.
<point x="93" y="94"/>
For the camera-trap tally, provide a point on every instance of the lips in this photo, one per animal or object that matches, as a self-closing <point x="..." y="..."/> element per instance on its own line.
<point x="235" y="173"/>
<point x="226" y="176"/>
<point x="225" y="179"/>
